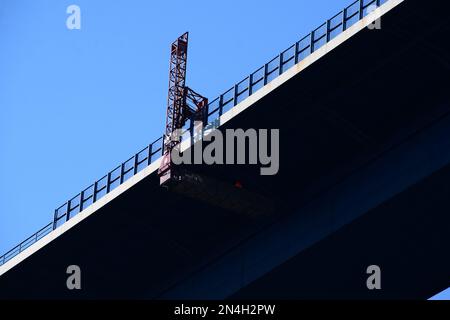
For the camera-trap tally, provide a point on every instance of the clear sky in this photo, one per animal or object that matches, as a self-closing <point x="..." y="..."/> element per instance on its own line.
<point x="76" y="103"/>
<point x="444" y="295"/>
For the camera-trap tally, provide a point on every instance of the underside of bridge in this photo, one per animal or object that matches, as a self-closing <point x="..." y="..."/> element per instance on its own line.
<point x="364" y="180"/>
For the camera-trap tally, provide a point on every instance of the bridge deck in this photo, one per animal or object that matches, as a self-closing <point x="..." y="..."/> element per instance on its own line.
<point x="347" y="104"/>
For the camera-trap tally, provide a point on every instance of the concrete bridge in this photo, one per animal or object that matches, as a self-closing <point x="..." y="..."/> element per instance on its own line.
<point x="364" y="119"/>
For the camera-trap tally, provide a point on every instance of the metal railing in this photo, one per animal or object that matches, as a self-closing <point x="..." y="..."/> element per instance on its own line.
<point x="230" y="98"/>
<point x="91" y="194"/>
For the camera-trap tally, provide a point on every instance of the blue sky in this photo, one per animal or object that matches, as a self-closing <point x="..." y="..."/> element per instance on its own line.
<point x="76" y="103"/>
<point x="444" y="295"/>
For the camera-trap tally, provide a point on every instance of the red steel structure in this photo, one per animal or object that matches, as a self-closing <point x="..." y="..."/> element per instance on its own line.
<point x="183" y="104"/>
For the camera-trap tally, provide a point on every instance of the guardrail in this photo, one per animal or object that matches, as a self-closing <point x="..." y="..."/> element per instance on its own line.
<point x="230" y="98"/>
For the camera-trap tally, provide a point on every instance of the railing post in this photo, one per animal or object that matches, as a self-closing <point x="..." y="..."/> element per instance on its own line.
<point x="150" y="151"/>
<point x="328" y="36"/>
<point x="108" y="181"/>
<point x="220" y="105"/>
<point x="162" y="148"/>
<point x="55" y="218"/>
<point x="191" y="129"/>
<point x="250" y="84"/>
<point x="344" y="20"/>
<point x="280" y="70"/>
<point x="122" y="170"/>
<point x="81" y="200"/>
<point x="205" y="115"/>
<point x="136" y="160"/>
<point x="297" y="49"/>
<point x="266" y="71"/>
<point x="312" y="41"/>
<point x="236" y="92"/>
<point x="68" y="211"/>
<point x="361" y="9"/>
<point x="94" y="193"/>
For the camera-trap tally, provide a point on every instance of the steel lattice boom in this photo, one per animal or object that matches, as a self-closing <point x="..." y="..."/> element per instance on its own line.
<point x="183" y="104"/>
